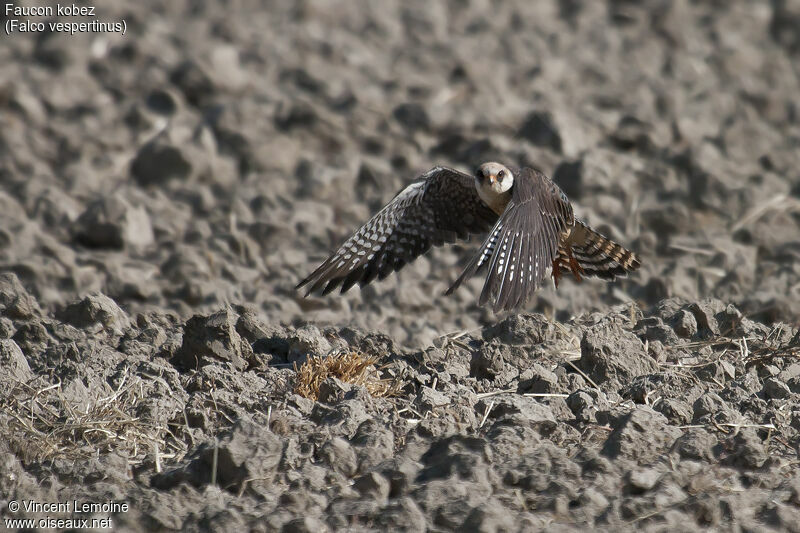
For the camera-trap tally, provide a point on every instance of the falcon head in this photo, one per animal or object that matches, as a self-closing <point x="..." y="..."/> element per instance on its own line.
<point x="493" y="178"/>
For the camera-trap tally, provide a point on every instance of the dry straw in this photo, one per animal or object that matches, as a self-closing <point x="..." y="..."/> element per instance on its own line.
<point x="349" y="367"/>
<point x="44" y="425"/>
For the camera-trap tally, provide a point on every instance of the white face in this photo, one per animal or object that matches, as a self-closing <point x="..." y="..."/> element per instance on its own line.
<point x="494" y="177"/>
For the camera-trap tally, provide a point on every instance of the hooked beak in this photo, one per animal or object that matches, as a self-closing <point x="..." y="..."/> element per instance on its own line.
<point x="492" y="179"/>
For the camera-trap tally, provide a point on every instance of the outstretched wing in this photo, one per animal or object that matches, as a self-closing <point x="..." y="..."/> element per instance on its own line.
<point x="440" y="206"/>
<point x="522" y="245"/>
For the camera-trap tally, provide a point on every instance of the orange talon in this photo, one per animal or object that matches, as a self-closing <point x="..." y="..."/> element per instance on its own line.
<point x="574" y="266"/>
<point x="556" y="272"/>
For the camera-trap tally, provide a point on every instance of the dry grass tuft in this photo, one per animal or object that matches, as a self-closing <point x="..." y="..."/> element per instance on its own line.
<point x="44" y="425"/>
<point x="350" y="367"/>
<point x="749" y="350"/>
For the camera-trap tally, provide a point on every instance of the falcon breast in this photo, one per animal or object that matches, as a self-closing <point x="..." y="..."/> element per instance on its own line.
<point x="532" y="234"/>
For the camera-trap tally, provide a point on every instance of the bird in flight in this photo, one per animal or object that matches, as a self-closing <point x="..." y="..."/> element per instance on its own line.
<point x="532" y="234"/>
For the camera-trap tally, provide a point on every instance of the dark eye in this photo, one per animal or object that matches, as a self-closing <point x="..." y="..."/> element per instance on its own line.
<point x="501" y="175"/>
<point x="479" y="173"/>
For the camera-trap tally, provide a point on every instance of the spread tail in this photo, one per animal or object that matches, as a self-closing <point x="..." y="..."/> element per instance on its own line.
<point x="584" y="252"/>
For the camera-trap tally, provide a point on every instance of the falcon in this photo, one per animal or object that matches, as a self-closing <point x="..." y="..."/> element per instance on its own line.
<point x="532" y="234"/>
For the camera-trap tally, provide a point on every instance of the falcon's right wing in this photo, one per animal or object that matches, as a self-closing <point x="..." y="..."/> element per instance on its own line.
<point x="441" y="206"/>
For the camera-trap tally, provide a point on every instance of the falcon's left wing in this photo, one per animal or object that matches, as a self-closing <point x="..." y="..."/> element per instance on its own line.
<point x="440" y="206"/>
<point x="522" y="245"/>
